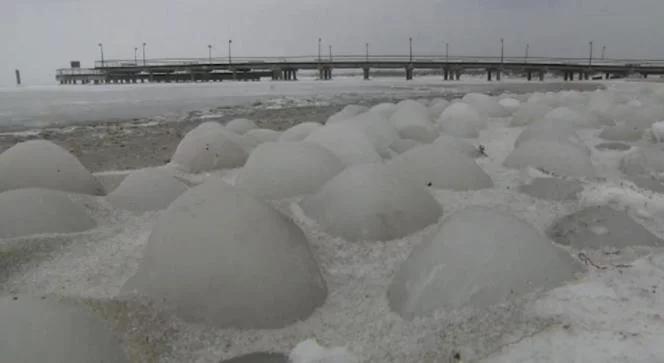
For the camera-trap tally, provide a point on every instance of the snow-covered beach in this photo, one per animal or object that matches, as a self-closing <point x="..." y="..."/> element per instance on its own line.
<point x="521" y="226"/>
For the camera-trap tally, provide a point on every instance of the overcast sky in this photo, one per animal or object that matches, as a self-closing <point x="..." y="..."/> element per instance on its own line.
<point x="38" y="36"/>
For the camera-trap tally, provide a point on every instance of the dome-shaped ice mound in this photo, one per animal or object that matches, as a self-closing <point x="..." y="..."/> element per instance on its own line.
<point x="45" y="330"/>
<point x="549" y="130"/>
<point x="146" y="190"/>
<point x="529" y="113"/>
<point x="346" y="142"/>
<point x="43" y="164"/>
<point x="437" y="107"/>
<point x="510" y="105"/>
<point x="553" y="189"/>
<point x="208" y="147"/>
<point x="644" y="161"/>
<point x="384" y="109"/>
<point x="263" y="135"/>
<point x="220" y="257"/>
<point x="365" y="202"/>
<point x="461" y="120"/>
<point x="240" y="126"/>
<point x="402" y="145"/>
<point x="347" y="113"/>
<point x="552" y="157"/>
<point x="378" y="130"/>
<point x="458" y="144"/>
<point x="485" y="104"/>
<point x="479" y="257"/>
<point x="25" y="212"/>
<point x="439" y="167"/>
<point x="282" y="170"/>
<point x="601" y="226"/>
<point x="412" y="120"/>
<point x="299" y="132"/>
<point x="571" y="117"/>
<point x="622" y="132"/>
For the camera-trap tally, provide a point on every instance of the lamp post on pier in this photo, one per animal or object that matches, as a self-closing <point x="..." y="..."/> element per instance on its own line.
<point x="144" y="44"/>
<point x="101" y="50"/>
<point x="210" y="53"/>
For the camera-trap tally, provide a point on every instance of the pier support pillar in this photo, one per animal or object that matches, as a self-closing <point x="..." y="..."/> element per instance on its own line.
<point x="586" y="76"/>
<point x="530" y="76"/>
<point x="488" y="75"/>
<point x="541" y="76"/>
<point x="580" y="76"/>
<point x="607" y="75"/>
<point x="18" y="77"/>
<point x="366" y="73"/>
<point x="498" y="74"/>
<point x="458" y="75"/>
<point x="446" y="73"/>
<point x="409" y="72"/>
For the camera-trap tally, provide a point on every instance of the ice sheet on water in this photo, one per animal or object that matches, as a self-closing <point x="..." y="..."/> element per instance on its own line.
<point x="43" y="164"/>
<point x="439" y="166"/>
<point x="282" y="170"/>
<point x="367" y="203"/>
<point x="46" y="330"/>
<point x="464" y="265"/>
<point x="146" y="190"/>
<point x="32" y="211"/>
<point x="258" y="273"/>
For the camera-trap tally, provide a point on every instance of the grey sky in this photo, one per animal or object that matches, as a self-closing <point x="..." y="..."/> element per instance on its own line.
<point x="38" y="36"/>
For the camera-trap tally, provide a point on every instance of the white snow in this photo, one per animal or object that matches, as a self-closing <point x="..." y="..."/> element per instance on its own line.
<point x="367" y="203"/>
<point x="25" y="212"/>
<point x="479" y="257"/>
<point x="147" y="190"/>
<point x="309" y="351"/>
<point x="45" y="330"/>
<point x="219" y="257"/>
<point x="208" y="147"/>
<point x="281" y="170"/>
<point x="43" y="164"/>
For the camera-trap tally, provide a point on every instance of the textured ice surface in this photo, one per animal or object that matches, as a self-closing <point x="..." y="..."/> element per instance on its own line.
<point x="549" y="130"/>
<point x="31" y="211"/>
<point x="146" y="190"/>
<point x="622" y="132"/>
<point x="263" y="135"/>
<point x="486" y="105"/>
<point x="528" y="113"/>
<point x="208" y="147"/>
<point x="366" y="203"/>
<point x="510" y="104"/>
<point x="437" y="107"/>
<point x="616" y="146"/>
<point x="552" y="157"/>
<point x="299" y="132"/>
<point x="601" y="227"/>
<point x="348" y="112"/>
<point x="413" y="121"/>
<point x="344" y="141"/>
<point x="440" y="167"/>
<point x="571" y="117"/>
<point x="461" y="120"/>
<point x="461" y="145"/>
<point x="218" y="256"/>
<point x="403" y="145"/>
<point x="643" y="161"/>
<point x="378" y="129"/>
<point x="553" y="189"/>
<point x="384" y="109"/>
<point x="478" y="258"/>
<point x="282" y="170"/>
<point x="45" y="330"/>
<point x="43" y="164"/>
<point x="240" y="126"/>
<point x="658" y="131"/>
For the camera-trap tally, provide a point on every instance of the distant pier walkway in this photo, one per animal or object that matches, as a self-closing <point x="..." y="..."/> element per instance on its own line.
<point x="287" y="68"/>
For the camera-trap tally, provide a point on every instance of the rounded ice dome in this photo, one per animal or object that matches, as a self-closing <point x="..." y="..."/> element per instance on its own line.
<point x="299" y="132"/>
<point x="282" y="170"/>
<point x="346" y="142"/>
<point x="45" y="330"/>
<point x="220" y="257"/>
<point x="43" y="164"/>
<point x="263" y="135"/>
<point x="346" y="113"/>
<point x="510" y="104"/>
<point x="478" y="258"/>
<point x="240" y="126"/>
<point x="25" y="212"/>
<point x="412" y="120"/>
<point x="439" y="167"/>
<point x="146" y="190"/>
<point x="561" y="159"/>
<point x="528" y="113"/>
<point x="208" y="147"/>
<point x="486" y="105"/>
<point x="367" y="203"/>
<point x="461" y="120"/>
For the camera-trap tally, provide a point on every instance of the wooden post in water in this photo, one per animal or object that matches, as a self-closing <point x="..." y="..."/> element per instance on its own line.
<point x="18" y="77"/>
